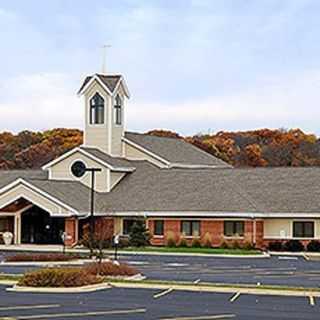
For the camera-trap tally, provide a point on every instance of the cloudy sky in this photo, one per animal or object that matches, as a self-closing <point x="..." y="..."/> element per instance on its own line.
<point x="191" y="65"/>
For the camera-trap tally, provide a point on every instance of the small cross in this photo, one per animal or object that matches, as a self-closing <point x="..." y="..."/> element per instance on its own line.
<point x="104" y="57"/>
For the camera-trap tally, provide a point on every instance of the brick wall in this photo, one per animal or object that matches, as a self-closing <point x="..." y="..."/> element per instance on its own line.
<point x="71" y="225"/>
<point x="209" y="229"/>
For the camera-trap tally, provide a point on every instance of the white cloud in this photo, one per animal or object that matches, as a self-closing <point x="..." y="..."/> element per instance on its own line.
<point x="39" y="101"/>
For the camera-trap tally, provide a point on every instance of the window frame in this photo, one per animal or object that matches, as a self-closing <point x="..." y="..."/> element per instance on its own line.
<point x="303" y="224"/>
<point x="118" y="110"/>
<point x="191" y="228"/>
<point x="156" y="234"/>
<point x="95" y="109"/>
<point x="234" y="223"/>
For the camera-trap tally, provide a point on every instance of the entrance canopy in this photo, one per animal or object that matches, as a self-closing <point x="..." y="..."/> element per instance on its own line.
<point x="21" y="189"/>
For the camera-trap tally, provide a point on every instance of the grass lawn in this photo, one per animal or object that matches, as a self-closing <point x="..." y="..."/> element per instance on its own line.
<point x="193" y="250"/>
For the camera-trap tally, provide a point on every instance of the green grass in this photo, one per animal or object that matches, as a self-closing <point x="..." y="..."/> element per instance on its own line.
<point x="193" y="250"/>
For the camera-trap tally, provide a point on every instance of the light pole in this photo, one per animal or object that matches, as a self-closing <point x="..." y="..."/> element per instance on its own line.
<point x="78" y="169"/>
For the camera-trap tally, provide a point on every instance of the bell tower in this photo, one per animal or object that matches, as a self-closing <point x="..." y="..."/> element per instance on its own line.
<point x="104" y="101"/>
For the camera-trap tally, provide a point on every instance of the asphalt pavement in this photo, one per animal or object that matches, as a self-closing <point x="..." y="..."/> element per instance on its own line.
<point x="140" y="304"/>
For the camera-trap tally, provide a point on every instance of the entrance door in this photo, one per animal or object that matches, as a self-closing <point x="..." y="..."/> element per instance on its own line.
<point x="39" y="228"/>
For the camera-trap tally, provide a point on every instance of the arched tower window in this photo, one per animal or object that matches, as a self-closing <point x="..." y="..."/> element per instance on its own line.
<point x="118" y="110"/>
<point x="97" y="109"/>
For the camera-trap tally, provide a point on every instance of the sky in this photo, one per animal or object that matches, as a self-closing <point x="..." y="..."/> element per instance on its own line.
<point x="191" y="65"/>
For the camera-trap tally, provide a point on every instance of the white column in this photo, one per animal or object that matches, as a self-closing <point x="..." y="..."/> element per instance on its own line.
<point x="17" y="229"/>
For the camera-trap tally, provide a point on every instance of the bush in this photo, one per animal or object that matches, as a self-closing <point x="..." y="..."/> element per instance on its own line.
<point x="207" y="240"/>
<point x="248" y="246"/>
<point x="171" y="240"/>
<point x="139" y="234"/>
<point x="59" y="277"/>
<point x="293" y="246"/>
<point x="111" y="269"/>
<point x="314" y="246"/>
<point x="41" y="257"/>
<point x="196" y="243"/>
<point x="224" y="245"/>
<point x="235" y="245"/>
<point x="183" y="242"/>
<point x="275" y="246"/>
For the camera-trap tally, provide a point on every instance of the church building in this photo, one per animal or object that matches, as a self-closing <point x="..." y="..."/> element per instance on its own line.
<point x="180" y="190"/>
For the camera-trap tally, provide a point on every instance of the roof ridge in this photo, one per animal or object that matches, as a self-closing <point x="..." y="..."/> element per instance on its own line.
<point x="151" y="135"/>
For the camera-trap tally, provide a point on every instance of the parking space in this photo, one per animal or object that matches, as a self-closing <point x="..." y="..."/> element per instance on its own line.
<point x="134" y="304"/>
<point x="292" y="271"/>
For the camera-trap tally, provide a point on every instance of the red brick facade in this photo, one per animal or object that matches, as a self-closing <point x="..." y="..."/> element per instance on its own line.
<point x="211" y="229"/>
<point x="71" y="229"/>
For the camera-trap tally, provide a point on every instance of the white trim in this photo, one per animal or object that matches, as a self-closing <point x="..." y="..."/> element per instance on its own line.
<point x="125" y="87"/>
<point x="209" y="214"/>
<point x="89" y="155"/>
<point x="95" y="77"/>
<point x="36" y="189"/>
<point x="149" y="153"/>
<point x="74" y="177"/>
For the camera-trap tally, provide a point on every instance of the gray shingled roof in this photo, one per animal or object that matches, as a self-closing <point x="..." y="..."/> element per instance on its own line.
<point x="113" y="161"/>
<point x="109" y="80"/>
<point x="260" y="190"/>
<point x="175" y="150"/>
<point x="8" y="176"/>
<point x="148" y="188"/>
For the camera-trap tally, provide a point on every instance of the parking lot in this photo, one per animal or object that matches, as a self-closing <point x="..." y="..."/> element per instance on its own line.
<point x="140" y="304"/>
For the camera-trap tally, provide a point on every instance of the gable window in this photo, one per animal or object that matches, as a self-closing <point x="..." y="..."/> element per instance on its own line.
<point x="118" y="110"/>
<point x="97" y="109"/>
<point x="303" y="229"/>
<point x="158" y="227"/>
<point x="190" y="228"/>
<point x="234" y="228"/>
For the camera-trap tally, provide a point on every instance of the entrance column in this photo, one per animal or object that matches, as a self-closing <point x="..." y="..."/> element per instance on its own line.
<point x="71" y="229"/>
<point x="17" y="229"/>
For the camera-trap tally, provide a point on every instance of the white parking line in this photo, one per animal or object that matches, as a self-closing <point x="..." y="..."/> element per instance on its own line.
<point x="79" y="314"/>
<point x="25" y="307"/>
<point x="208" y="317"/>
<point x="235" y="297"/>
<point x="161" y="294"/>
<point x="311" y="301"/>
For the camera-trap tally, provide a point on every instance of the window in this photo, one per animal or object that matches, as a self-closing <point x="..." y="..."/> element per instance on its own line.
<point x="97" y="109"/>
<point x="158" y="227"/>
<point x="127" y="225"/>
<point x="118" y="110"/>
<point x="303" y="229"/>
<point x="190" y="228"/>
<point x="233" y="228"/>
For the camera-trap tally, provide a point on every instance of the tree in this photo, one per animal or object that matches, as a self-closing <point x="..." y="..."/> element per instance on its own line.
<point x="139" y="234"/>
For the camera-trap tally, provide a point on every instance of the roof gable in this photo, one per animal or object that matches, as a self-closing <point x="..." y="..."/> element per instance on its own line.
<point x="109" y="82"/>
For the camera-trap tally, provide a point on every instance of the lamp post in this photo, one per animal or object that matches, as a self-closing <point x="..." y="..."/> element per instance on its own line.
<point x="78" y="169"/>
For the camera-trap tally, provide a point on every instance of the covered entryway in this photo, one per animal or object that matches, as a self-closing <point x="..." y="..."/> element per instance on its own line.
<point x="37" y="227"/>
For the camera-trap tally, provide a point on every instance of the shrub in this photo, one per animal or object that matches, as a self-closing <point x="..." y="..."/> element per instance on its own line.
<point x="224" y="245"/>
<point x="248" y="246"/>
<point x="314" y="246"/>
<point x="235" y="245"/>
<point x="183" y="242"/>
<point x="59" y="277"/>
<point x="41" y="257"/>
<point x="293" y="246"/>
<point x="111" y="269"/>
<point x="171" y="240"/>
<point x="207" y="240"/>
<point x="275" y="246"/>
<point x="196" y="243"/>
<point x="139" y="234"/>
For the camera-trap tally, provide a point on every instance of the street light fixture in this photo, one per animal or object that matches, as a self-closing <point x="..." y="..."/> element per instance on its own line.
<point x="78" y="169"/>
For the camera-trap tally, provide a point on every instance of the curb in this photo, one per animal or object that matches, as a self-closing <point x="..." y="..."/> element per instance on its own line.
<point x="83" y="289"/>
<point x="220" y="289"/>
<point x="79" y="262"/>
